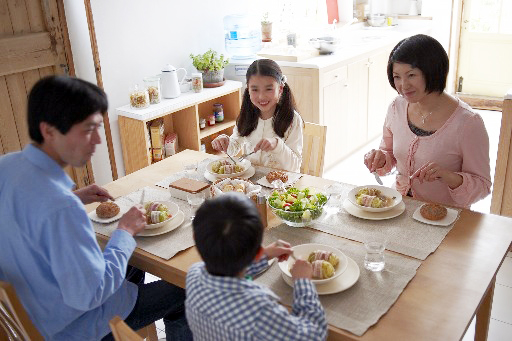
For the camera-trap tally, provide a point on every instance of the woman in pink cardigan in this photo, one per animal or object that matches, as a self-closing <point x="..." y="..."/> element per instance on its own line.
<point x="438" y="145"/>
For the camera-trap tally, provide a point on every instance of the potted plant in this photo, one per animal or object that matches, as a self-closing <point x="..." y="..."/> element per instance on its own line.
<point x="266" y="28"/>
<point x="210" y="65"/>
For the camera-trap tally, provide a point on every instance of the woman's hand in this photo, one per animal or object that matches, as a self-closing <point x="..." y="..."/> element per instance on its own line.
<point x="279" y="249"/>
<point x="133" y="221"/>
<point x="431" y="171"/>
<point x="266" y="144"/>
<point x="221" y="143"/>
<point x="374" y="159"/>
<point x="93" y="193"/>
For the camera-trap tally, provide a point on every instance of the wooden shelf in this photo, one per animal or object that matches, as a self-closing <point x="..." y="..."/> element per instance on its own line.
<point x="219" y="126"/>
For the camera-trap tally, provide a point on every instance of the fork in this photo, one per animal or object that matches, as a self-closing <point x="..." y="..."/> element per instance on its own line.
<point x="142" y="197"/>
<point x="245" y="155"/>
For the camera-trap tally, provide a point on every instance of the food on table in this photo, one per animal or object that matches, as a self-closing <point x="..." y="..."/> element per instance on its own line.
<point x="372" y="197"/>
<point x="322" y="269"/>
<point x="240" y="187"/>
<point x="228" y="188"/>
<point x="156" y="212"/>
<point x="296" y="205"/>
<point x="324" y="255"/>
<point x="226" y="167"/>
<point x="277" y="175"/>
<point x="433" y="211"/>
<point x="107" y="210"/>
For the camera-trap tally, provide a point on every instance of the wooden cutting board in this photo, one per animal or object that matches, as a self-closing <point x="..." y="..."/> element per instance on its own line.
<point x="288" y="55"/>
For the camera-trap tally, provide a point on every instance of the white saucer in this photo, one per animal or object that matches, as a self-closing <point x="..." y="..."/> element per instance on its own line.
<point x="449" y="219"/>
<point x="343" y="282"/>
<point x="171" y="225"/>
<point x="250" y="172"/>
<point x="357" y="212"/>
<point x="94" y="217"/>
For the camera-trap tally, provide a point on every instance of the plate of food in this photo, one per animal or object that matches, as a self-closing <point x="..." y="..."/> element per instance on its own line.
<point x="374" y="198"/>
<point x="328" y="262"/>
<point x="234" y="185"/>
<point x="224" y="168"/>
<point x="106" y="212"/>
<point x="297" y="207"/>
<point x="287" y="178"/>
<point x="159" y="213"/>
<point x="169" y="226"/>
<point x="435" y="214"/>
<point x="359" y="213"/>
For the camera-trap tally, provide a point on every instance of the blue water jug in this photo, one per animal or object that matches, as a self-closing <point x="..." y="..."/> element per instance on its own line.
<point x="242" y="34"/>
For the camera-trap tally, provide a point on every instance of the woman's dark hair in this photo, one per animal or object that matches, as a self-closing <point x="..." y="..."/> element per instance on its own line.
<point x="228" y="232"/>
<point x="62" y="102"/>
<point x="247" y="121"/>
<point x="425" y="53"/>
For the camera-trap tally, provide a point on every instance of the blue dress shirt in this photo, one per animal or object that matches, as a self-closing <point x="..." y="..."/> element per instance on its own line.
<point x="49" y="252"/>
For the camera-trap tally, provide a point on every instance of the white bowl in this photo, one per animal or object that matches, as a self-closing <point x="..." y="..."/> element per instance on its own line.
<point x="302" y="252"/>
<point x="245" y="163"/>
<point x="389" y="192"/>
<point x="173" y="210"/>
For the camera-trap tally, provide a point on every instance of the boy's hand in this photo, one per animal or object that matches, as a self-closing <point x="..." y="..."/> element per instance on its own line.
<point x="301" y="269"/>
<point x="279" y="249"/>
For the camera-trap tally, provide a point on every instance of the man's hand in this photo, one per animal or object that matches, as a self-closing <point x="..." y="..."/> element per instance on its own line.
<point x="133" y="221"/>
<point x="93" y="193"/>
<point x="302" y="269"/>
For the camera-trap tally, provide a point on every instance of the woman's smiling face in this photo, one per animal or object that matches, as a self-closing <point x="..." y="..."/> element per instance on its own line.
<point x="264" y="92"/>
<point x="409" y="82"/>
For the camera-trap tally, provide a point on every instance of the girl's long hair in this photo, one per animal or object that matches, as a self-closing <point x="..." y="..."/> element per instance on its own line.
<point x="247" y="121"/>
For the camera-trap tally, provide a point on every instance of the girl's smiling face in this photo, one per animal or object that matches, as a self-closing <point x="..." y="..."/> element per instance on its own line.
<point x="264" y="92"/>
<point x="409" y="82"/>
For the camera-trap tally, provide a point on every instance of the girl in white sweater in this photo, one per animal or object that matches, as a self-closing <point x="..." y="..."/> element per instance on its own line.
<point x="268" y="121"/>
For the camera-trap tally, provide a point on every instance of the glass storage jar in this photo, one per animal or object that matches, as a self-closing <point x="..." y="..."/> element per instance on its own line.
<point x="197" y="82"/>
<point x="153" y="86"/>
<point x="218" y="111"/>
<point x="139" y="97"/>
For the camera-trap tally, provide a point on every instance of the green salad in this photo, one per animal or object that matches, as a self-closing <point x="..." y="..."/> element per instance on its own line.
<point x="290" y="204"/>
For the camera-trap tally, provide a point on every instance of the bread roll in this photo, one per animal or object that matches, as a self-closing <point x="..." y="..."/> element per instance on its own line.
<point x="107" y="210"/>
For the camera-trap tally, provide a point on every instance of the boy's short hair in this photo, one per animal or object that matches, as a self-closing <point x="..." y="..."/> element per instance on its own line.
<point x="425" y="53"/>
<point x="62" y="102"/>
<point x="228" y="233"/>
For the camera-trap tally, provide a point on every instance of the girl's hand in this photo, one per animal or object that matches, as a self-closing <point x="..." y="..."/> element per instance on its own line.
<point x="301" y="269"/>
<point x="375" y="159"/>
<point x="431" y="171"/>
<point x="266" y="144"/>
<point x="279" y="249"/>
<point x="221" y="143"/>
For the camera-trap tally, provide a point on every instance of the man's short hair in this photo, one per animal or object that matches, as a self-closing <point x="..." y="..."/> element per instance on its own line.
<point x="228" y="232"/>
<point x="425" y="53"/>
<point x="62" y="102"/>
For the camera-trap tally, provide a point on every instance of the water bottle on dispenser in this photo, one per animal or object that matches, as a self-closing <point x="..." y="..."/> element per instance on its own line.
<point x="242" y="34"/>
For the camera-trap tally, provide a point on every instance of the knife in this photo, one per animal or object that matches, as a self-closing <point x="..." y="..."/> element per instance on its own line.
<point x="377" y="177"/>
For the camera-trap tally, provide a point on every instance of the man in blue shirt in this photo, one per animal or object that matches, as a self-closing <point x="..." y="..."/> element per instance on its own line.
<point x="48" y="250"/>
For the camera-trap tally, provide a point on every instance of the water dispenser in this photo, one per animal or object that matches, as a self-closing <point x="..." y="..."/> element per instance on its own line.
<point x="242" y="34"/>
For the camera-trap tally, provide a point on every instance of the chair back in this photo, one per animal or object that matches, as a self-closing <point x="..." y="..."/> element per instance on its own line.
<point x="122" y="332"/>
<point x="313" y="150"/>
<point x="13" y="318"/>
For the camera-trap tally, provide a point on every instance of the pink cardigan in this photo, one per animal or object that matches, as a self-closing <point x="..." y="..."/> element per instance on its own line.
<point x="460" y="145"/>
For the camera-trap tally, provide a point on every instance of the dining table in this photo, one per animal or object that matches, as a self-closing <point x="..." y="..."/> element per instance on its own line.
<point x="452" y="285"/>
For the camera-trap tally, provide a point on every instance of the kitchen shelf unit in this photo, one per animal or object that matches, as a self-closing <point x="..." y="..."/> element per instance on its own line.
<point x="180" y="115"/>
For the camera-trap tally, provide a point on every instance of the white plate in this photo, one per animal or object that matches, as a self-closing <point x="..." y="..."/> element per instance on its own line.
<point x="173" y="210"/>
<point x="389" y="192"/>
<point x="94" y="217"/>
<point x="170" y="226"/>
<point x="448" y="220"/>
<point x="340" y="283"/>
<point x="245" y="163"/>
<point x="302" y="252"/>
<point x="357" y="212"/>
<point x="292" y="178"/>
<point x="248" y="173"/>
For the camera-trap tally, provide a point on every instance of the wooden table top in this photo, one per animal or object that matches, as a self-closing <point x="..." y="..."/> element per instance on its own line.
<point x="438" y="304"/>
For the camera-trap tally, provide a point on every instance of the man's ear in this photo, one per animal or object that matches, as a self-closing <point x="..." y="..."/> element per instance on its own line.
<point x="47" y="131"/>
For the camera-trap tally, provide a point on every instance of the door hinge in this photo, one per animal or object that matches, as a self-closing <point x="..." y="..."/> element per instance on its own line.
<point x="459" y="87"/>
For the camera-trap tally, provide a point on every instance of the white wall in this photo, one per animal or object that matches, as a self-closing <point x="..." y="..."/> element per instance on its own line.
<point x="136" y="39"/>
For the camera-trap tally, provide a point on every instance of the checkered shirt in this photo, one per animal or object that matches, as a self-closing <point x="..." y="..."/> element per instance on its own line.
<point x="228" y="308"/>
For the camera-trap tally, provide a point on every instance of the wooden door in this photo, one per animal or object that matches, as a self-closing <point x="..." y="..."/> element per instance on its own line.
<point x="34" y="43"/>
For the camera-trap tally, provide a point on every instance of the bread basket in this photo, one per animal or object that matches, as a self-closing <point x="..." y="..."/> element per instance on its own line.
<point x="250" y="188"/>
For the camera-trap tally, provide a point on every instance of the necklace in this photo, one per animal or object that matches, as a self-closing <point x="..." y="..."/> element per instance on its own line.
<point x="424" y="117"/>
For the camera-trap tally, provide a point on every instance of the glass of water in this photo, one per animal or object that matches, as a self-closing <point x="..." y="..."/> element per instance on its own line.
<point x="374" y="260"/>
<point x="195" y="200"/>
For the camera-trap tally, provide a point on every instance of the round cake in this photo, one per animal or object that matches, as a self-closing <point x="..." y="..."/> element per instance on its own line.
<point x="277" y="175"/>
<point x="433" y="211"/>
<point x="107" y="210"/>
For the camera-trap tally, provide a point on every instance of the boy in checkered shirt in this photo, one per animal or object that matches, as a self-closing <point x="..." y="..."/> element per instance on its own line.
<point x="221" y="303"/>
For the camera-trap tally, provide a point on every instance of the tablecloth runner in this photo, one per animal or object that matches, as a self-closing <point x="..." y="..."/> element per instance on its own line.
<point x="166" y="245"/>
<point x="359" y="307"/>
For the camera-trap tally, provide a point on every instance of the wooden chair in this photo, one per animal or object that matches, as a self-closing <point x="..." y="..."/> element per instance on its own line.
<point x="122" y="332"/>
<point x="313" y="150"/>
<point x="13" y="318"/>
<point x="501" y="201"/>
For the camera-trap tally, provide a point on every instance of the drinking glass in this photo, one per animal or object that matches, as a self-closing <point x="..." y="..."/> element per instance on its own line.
<point x="195" y="200"/>
<point x="189" y="166"/>
<point x="335" y="202"/>
<point x="374" y="260"/>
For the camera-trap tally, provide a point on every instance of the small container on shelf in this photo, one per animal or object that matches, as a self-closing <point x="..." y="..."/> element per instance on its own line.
<point x="139" y="97"/>
<point x="197" y="82"/>
<point x="211" y="120"/>
<point x="218" y="111"/>
<point x="153" y="86"/>
<point x="202" y="123"/>
<point x="203" y="148"/>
